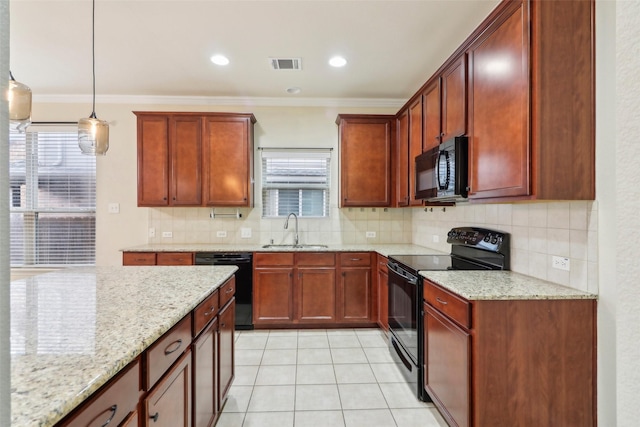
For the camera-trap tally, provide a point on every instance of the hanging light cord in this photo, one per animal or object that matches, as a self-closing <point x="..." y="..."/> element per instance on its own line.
<point x="93" y="57"/>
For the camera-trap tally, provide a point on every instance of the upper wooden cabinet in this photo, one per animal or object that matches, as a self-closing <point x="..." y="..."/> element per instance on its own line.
<point x="401" y="159"/>
<point x="415" y="147"/>
<point x="195" y="159"/>
<point x="431" y="115"/>
<point x="365" y="160"/>
<point x="531" y="102"/>
<point x="454" y="99"/>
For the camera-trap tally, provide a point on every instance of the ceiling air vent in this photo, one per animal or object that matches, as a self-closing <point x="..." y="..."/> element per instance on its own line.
<point x="286" y="63"/>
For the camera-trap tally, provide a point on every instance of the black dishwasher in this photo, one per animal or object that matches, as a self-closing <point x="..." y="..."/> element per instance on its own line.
<point x="244" y="281"/>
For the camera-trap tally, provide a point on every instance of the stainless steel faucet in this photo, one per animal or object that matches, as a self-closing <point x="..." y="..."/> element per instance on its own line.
<point x="286" y="225"/>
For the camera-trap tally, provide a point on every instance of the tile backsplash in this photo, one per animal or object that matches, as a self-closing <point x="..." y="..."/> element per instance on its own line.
<point x="539" y="231"/>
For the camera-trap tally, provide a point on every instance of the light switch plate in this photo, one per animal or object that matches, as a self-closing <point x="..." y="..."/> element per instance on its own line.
<point x="221" y="233"/>
<point x="168" y="234"/>
<point x="370" y="234"/>
<point x="245" y="233"/>
<point x="114" y="208"/>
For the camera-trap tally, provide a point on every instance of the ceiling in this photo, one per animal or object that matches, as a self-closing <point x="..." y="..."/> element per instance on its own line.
<point x="161" y="48"/>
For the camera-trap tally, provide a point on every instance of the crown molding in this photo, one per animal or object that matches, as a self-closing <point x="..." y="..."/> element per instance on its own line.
<point x="224" y="100"/>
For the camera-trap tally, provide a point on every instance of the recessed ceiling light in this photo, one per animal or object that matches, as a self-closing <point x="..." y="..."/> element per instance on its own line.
<point x="220" y="60"/>
<point x="293" y="90"/>
<point x="337" y="61"/>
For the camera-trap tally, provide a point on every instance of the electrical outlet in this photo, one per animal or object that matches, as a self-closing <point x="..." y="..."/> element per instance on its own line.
<point x="221" y="233"/>
<point x="370" y="234"/>
<point x="436" y="238"/>
<point x="168" y="234"/>
<point x="152" y="232"/>
<point x="561" y="263"/>
<point x="245" y="233"/>
<point x="114" y="208"/>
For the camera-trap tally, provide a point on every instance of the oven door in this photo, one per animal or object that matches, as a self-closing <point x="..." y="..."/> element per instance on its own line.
<point x="404" y="298"/>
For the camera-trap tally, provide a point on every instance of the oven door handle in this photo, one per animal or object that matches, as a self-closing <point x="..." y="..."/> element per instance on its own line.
<point x="413" y="280"/>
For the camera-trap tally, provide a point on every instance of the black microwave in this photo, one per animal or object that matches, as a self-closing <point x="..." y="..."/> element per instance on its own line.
<point x="442" y="172"/>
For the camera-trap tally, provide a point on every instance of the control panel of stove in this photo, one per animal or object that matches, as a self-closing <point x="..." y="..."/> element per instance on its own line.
<point x="477" y="237"/>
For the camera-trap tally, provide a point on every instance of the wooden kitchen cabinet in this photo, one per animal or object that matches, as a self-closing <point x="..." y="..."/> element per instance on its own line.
<point x="294" y="288"/>
<point x="365" y="143"/>
<point x="454" y="99"/>
<point x="157" y="258"/>
<point x="354" y="290"/>
<point x="531" y="102"/>
<point x="510" y="362"/>
<point x="226" y="350"/>
<point x="168" y="404"/>
<point x="205" y="376"/>
<point x="195" y="159"/>
<point x="431" y="115"/>
<point x="228" y="160"/>
<point x="415" y="147"/>
<point x="401" y="159"/>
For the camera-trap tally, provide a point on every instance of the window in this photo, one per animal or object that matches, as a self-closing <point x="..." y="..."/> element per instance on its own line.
<point x="295" y="181"/>
<point x="52" y="198"/>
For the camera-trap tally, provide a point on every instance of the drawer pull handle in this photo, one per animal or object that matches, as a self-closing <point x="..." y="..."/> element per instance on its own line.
<point x="211" y="310"/>
<point x="155" y="417"/>
<point x="113" y="410"/>
<point x="178" y="344"/>
<point x="441" y="301"/>
<point x="355" y="259"/>
<point x="229" y="290"/>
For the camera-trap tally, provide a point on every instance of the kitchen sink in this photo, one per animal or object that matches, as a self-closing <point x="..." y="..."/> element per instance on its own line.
<point x="298" y="246"/>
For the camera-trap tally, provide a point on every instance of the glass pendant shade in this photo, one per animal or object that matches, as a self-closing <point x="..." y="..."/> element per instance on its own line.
<point x="93" y="136"/>
<point x="19" y="104"/>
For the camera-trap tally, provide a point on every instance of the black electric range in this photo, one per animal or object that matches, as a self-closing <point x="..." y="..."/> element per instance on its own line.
<point x="472" y="248"/>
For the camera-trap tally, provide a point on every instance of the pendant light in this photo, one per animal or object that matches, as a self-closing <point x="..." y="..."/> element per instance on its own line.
<point x="19" y="104"/>
<point x="93" y="133"/>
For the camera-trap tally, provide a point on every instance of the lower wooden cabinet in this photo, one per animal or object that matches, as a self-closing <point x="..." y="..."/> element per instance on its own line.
<point x="168" y="404"/>
<point x="354" y="294"/>
<point x="272" y="289"/>
<point x="157" y="258"/>
<point x="205" y="377"/>
<point x="383" y="293"/>
<point x="226" y="350"/>
<point x="132" y="420"/>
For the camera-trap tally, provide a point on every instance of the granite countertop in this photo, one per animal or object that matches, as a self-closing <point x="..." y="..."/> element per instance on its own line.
<point x="501" y="285"/>
<point x="382" y="249"/>
<point x="72" y="330"/>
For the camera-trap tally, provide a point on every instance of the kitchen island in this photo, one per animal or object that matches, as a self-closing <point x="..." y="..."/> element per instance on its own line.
<point x="73" y="330"/>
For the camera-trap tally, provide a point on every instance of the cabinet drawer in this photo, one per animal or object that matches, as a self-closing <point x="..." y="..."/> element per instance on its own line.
<point x="382" y="264"/>
<point x="449" y="304"/>
<point x="278" y="259"/>
<point x="138" y="258"/>
<point x="227" y="291"/>
<point x="355" y="259"/>
<point x="174" y="258"/>
<point x="315" y="259"/>
<point x="204" y="312"/>
<point x="111" y="405"/>
<point x="161" y="355"/>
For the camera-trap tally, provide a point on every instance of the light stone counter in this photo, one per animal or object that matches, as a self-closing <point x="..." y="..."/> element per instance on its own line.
<point x="382" y="249"/>
<point x="72" y="330"/>
<point x="501" y="285"/>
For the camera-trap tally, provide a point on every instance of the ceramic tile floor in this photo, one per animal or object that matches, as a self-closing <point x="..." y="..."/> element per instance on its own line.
<point x="320" y="378"/>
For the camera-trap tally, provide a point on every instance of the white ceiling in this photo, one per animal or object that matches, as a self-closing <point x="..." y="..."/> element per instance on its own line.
<point x="161" y="48"/>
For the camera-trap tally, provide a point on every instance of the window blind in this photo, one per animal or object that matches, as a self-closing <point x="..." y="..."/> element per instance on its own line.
<point x="296" y="181"/>
<point x="52" y="198"/>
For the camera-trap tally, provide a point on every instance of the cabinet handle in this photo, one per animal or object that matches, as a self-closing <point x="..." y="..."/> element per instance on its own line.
<point x="113" y="410"/>
<point x="154" y="417"/>
<point x="211" y="310"/>
<point x="355" y="259"/>
<point x="441" y="301"/>
<point x="229" y="291"/>
<point x="173" y="350"/>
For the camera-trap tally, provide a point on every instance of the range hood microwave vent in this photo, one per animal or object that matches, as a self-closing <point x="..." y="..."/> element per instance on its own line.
<point x="286" y="63"/>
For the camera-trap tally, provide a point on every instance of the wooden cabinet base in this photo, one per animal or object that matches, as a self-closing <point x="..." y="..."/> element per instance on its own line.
<point x="169" y="403"/>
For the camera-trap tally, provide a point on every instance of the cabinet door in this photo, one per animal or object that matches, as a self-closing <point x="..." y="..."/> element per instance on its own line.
<point x="186" y="170"/>
<point x="174" y="258"/>
<point x="499" y="155"/>
<point x="273" y="295"/>
<point x="138" y="258"/>
<point x="228" y="161"/>
<point x="316" y="295"/>
<point x="169" y="402"/>
<point x="132" y="421"/>
<point x="415" y="147"/>
<point x="447" y="373"/>
<point x="365" y="162"/>
<point x="354" y="302"/>
<point x="153" y="160"/>
<point x="226" y="365"/>
<point x="205" y="377"/>
<point x="454" y="99"/>
<point x="402" y="160"/>
<point x="431" y="116"/>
